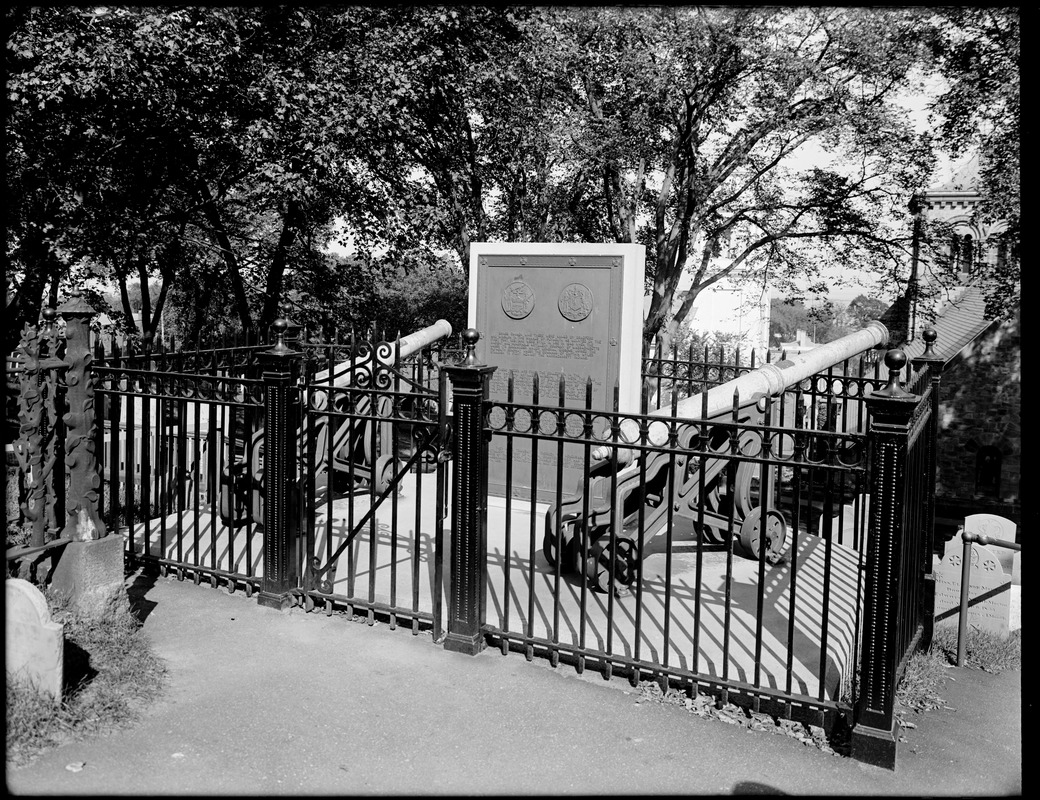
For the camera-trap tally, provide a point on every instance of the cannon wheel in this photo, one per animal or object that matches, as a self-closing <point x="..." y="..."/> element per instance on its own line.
<point x="775" y="529"/>
<point x="621" y="563"/>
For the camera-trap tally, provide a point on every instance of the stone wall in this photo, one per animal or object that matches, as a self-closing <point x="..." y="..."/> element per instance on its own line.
<point x="981" y="408"/>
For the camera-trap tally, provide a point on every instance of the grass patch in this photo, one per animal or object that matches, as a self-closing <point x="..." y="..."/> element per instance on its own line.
<point x="925" y="674"/>
<point x="983" y="650"/>
<point x="110" y="674"/>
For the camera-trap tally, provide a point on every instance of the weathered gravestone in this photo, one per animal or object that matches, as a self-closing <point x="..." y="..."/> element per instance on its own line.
<point x="34" y="644"/>
<point x="989" y="591"/>
<point x="549" y="310"/>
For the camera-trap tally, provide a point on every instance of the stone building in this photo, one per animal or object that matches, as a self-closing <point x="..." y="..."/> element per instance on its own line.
<point x="980" y="429"/>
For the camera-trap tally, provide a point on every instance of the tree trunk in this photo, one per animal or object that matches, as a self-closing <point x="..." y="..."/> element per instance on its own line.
<point x="213" y="217"/>
<point x="276" y="272"/>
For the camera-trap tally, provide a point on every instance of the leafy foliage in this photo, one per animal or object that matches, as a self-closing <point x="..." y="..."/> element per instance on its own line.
<point x="977" y="49"/>
<point x="211" y="153"/>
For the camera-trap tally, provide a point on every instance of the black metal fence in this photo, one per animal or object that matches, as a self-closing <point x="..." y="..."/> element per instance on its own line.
<point x="774" y="551"/>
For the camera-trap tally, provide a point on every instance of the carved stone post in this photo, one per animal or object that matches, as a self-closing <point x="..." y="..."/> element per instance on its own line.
<point x="468" y="579"/>
<point x="875" y="732"/>
<point x="90" y="569"/>
<point x="281" y="468"/>
<point x="81" y="501"/>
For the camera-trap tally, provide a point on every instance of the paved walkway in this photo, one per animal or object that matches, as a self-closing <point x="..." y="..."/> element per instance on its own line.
<point x="267" y="702"/>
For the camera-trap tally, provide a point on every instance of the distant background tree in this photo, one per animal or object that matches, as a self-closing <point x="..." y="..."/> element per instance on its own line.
<point x="977" y="50"/>
<point x="823" y="322"/>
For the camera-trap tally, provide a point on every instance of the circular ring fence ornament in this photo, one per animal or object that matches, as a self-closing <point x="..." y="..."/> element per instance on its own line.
<point x="517" y="300"/>
<point x="575" y="301"/>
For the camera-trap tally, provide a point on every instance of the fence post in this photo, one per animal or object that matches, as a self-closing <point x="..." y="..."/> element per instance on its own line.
<point x="468" y="560"/>
<point x="281" y="467"/>
<point x="83" y="522"/>
<point x="935" y="365"/>
<point x="875" y="731"/>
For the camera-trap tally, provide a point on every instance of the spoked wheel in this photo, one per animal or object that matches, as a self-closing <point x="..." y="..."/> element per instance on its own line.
<point x="619" y="562"/>
<point x="772" y="529"/>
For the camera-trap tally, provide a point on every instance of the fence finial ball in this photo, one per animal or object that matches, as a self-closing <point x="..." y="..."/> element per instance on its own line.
<point x="49" y="314"/>
<point x="929" y="337"/>
<point x="280" y="326"/>
<point x="470" y="337"/>
<point x="895" y="360"/>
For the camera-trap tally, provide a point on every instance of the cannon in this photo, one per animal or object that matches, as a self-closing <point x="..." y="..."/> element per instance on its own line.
<point x="345" y="450"/>
<point x="596" y="534"/>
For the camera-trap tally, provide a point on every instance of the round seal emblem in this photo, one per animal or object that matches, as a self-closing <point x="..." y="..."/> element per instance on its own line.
<point x="575" y="302"/>
<point x="517" y="300"/>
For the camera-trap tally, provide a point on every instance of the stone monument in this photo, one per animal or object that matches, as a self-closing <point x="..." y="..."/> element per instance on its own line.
<point x="552" y="310"/>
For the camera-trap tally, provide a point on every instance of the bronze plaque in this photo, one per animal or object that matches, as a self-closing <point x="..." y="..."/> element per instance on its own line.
<point x="554" y="315"/>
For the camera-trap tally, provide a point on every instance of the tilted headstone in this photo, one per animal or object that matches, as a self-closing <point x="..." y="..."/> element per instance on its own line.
<point x="993" y="527"/>
<point x="556" y="309"/>
<point x="34" y="644"/>
<point x="989" y="591"/>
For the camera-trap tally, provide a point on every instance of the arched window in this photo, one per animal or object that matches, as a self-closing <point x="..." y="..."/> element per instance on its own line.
<point x="955" y="253"/>
<point x="967" y="256"/>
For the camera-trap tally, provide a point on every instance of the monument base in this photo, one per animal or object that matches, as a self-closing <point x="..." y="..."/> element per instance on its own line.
<point x="90" y="574"/>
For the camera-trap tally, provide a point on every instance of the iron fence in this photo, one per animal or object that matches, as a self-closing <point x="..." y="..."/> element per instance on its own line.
<point x="773" y="549"/>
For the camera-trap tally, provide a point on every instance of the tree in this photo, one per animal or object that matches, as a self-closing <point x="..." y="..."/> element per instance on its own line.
<point x="690" y="124"/>
<point x="977" y="50"/>
<point x="188" y="144"/>
<point x="862" y="310"/>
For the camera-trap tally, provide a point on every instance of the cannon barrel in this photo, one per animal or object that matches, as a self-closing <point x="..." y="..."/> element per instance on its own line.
<point x="766" y="380"/>
<point x="408" y="344"/>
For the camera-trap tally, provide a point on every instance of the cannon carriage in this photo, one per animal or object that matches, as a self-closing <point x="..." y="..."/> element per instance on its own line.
<point x="358" y="439"/>
<point x="700" y="464"/>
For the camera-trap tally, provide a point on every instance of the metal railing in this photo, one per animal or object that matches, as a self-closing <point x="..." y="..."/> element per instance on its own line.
<point x="962" y="624"/>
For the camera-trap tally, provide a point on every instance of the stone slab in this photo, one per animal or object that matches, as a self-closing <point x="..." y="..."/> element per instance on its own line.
<point x="989" y="592"/>
<point x="90" y="575"/>
<point x="34" y="645"/>
<point x="552" y="310"/>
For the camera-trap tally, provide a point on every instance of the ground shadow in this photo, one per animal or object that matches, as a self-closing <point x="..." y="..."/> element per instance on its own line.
<point x="77" y="672"/>
<point x="754" y="787"/>
<point x="136" y="589"/>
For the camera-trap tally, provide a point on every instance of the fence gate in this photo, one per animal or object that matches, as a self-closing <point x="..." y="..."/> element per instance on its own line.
<point x="374" y="449"/>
